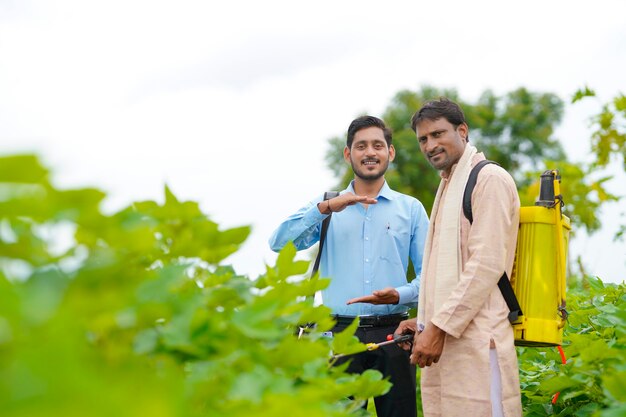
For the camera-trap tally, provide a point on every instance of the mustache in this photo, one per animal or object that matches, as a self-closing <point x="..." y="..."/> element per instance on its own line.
<point x="434" y="152"/>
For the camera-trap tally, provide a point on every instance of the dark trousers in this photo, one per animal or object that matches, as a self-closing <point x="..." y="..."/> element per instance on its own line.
<point x="393" y="363"/>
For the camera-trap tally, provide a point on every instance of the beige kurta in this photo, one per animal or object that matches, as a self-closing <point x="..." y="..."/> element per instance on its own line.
<point x="475" y="314"/>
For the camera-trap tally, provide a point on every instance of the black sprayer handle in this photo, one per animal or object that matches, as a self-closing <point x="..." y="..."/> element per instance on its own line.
<point x="399" y="338"/>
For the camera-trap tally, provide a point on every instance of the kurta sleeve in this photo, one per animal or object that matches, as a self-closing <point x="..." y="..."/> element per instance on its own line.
<point x="495" y="208"/>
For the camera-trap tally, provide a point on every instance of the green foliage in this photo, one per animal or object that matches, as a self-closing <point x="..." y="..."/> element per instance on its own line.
<point x="517" y="130"/>
<point x="582" y="194"/>
<point x="592" y="383"/>
<point x="134" y="314"/>
<point x="582" y="93"/>
<point x="609" y="136"/>
<point x="608" y="139"/>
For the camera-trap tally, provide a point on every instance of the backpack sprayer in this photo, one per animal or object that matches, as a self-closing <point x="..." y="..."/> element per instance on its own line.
<point x="539" y="270"/>
<point x="535" y="294"/>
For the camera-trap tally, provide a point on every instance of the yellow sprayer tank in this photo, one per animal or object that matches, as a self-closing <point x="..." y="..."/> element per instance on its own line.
<point x="538" y="277"/>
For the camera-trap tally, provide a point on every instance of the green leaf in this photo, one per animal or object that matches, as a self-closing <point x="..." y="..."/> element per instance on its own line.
<point x="615" y="384"/>
<point x="558" y="383"/>
<point x="619" y="410"/>
<point x="596" y="284"/>
<point x="22" y="169"/>
<point x="145" y="341"/>
<point x="346" y="343"/>
<point x="6" y="332"/>
<point x="582" y="93"/>
<point x="370" y="384"/>
<point x="587" y="410"/>
<point x="251" y="386"/>
<point x="170" y="198"/>
<point x="285" y="265"/>
<point x="620" y="103"/>
<point x="258" y="319"/>
<point x="42" y="293"/>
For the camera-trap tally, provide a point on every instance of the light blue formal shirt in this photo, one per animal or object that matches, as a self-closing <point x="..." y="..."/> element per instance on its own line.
<point x="366" y="249"/>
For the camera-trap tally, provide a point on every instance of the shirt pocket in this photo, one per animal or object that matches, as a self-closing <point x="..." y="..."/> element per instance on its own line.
<point x="395" y="246"/>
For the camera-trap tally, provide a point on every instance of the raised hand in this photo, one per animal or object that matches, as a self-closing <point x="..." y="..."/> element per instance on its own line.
<point x="342" y="201"/>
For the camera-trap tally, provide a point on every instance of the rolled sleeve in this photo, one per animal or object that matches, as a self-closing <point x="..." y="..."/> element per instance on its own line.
<point x="302" y="228"/>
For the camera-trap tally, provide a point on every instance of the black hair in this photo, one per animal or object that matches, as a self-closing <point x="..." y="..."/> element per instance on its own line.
<point x="436" y="109"/>
<point x="364" y="122"/>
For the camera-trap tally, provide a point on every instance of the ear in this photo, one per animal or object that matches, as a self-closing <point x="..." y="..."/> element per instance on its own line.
<point x="463" y="131"/>
<point x="392" y="153"/>
<point x="346" y="154"/>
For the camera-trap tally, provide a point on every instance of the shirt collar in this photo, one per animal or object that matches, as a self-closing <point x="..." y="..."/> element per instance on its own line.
<point x="385" y="191"/>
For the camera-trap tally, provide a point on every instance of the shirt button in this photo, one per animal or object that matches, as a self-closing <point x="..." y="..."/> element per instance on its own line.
<point x="367" y="238"/>
<point x="367" y="260"/>
<point x="367" y="282"/>
<point x="367" y="218"/>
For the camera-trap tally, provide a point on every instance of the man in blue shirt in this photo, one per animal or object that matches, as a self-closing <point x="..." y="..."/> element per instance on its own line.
<point x="373" y="233"/>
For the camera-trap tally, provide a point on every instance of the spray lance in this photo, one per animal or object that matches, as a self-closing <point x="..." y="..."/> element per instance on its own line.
<point x="391" y="339"/>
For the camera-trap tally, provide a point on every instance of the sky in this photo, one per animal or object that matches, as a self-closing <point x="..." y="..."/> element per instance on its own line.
<point x="231" y="104"/>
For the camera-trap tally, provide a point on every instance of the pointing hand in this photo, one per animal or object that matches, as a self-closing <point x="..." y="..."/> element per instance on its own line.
<point x="388" y="295"/>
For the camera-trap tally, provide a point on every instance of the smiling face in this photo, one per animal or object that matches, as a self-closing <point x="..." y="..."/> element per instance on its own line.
<point x="441" y="143"/>
<point x="369" y="154"/>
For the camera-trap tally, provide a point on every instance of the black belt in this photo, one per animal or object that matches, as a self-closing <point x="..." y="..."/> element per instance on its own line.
<point x="373" y="321"/>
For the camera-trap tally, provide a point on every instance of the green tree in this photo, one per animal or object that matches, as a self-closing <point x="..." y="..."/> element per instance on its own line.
<point x="608" y="139"/>
<point x="516" y="130"/>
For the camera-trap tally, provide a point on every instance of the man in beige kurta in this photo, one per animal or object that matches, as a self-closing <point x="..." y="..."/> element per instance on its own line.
<point x="464" y="342"/>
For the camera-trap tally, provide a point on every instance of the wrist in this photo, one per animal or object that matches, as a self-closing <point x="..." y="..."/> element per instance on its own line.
<point x="396" y="296"/>
<point x="322" y="206"/>
<point x="438" y="330"/>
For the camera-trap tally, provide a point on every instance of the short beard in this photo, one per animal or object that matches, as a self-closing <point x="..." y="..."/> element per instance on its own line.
<point x="369" y="177"/>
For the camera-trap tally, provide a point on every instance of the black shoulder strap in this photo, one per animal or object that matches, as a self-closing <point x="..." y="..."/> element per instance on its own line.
<point x="515" y="310"/>
<point x="327" y="196"/>
<point x="469" y="187"/>
<point x="504" y="284"/>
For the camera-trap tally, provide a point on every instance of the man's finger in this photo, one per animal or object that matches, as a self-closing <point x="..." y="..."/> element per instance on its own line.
<point x="421" y="361"/>
<point x="364" y="299"/>
<point x="365" y="199"/>
<point x="405" y="345"/>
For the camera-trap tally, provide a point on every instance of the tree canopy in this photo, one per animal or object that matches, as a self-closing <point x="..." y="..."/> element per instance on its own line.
<point x="609" y="135"/>
<point x="515" y="129"/>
